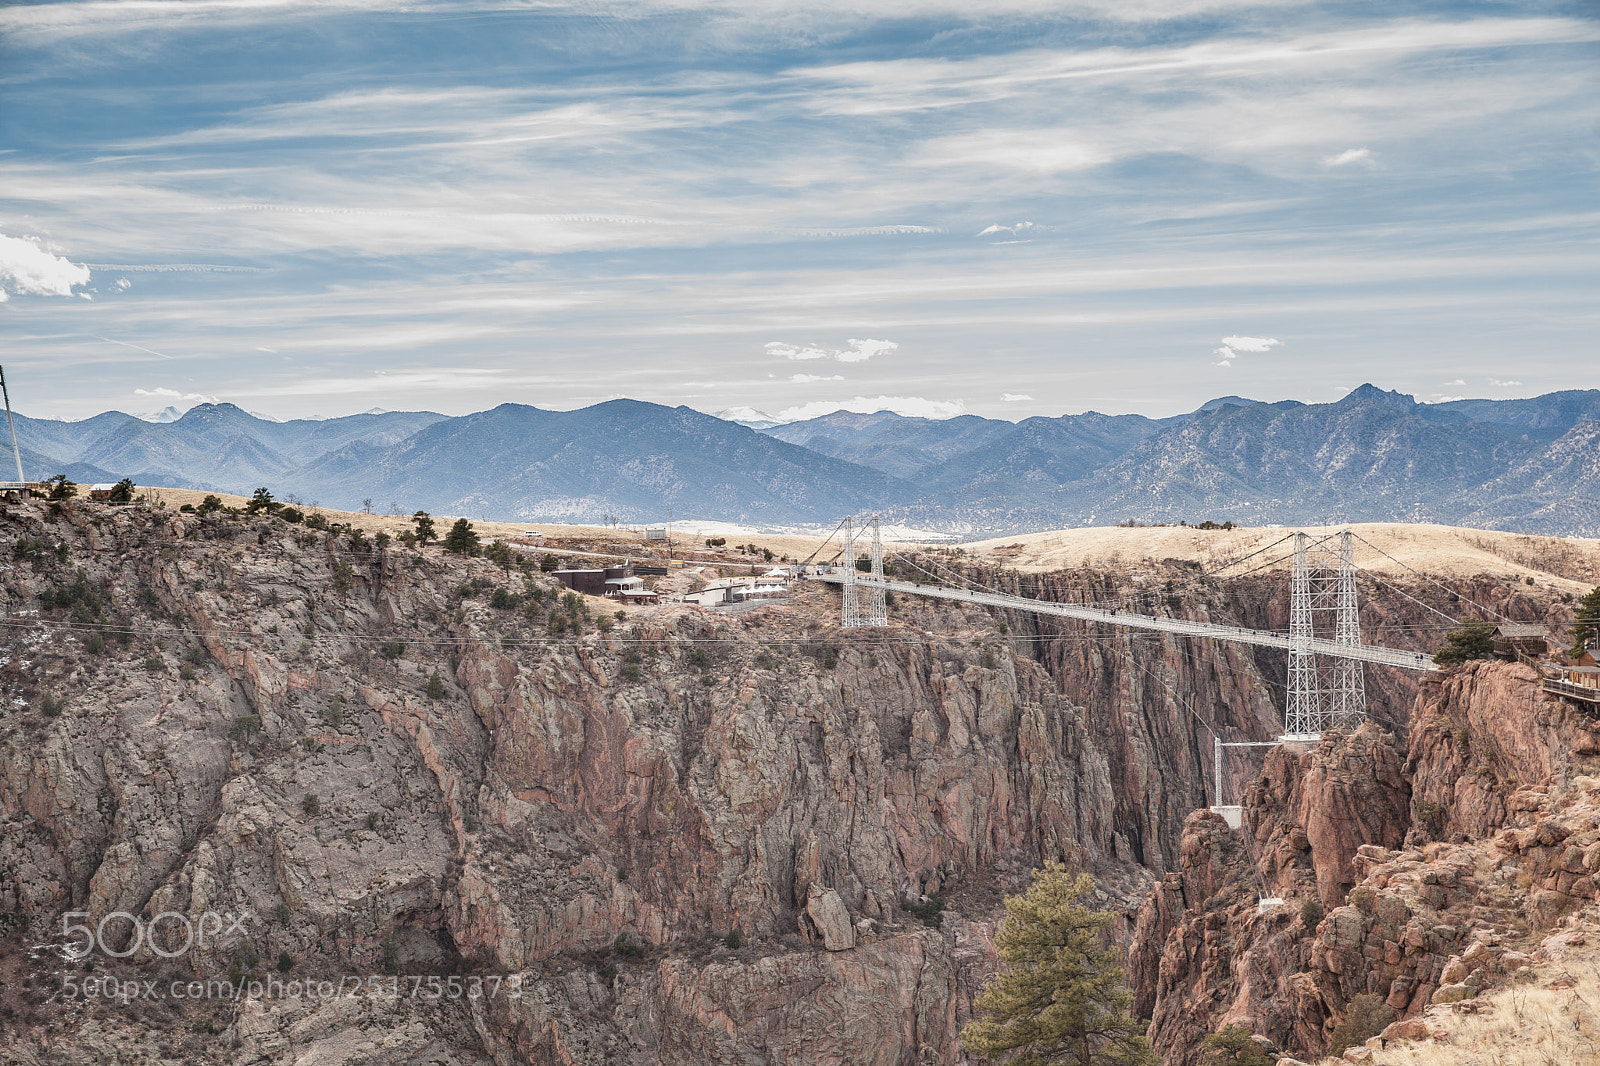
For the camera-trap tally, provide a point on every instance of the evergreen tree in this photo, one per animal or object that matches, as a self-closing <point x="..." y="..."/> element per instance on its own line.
<point x="211" y="503"/>
<point x="1234" y="1046"/>
<point x="501" y="554"/>
<point x="425" y="530"/>
<point x="261" y="501"/>
<point x="60" y="487"/>
<point x="1475" y="640"/>
<point x="435" y="686"/>
<point x="461" y="539"/>
<point x="121" y="492"/>
<point x="1586" y="623"/>
<point x="1062" y="1000"/>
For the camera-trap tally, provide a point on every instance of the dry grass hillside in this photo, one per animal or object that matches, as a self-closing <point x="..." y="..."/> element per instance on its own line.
<point x="1567" y="563"/>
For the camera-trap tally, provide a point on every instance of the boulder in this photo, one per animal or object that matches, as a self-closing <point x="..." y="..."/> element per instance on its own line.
<point x="828" y="913"/>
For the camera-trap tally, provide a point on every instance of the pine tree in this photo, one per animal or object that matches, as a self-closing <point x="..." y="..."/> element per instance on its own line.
<point x="61" y="488"/>
<point x="1062" y="999"/>
<point x="1586" y="623"/>
<point x="1475" y="640"/>
<point x="461" y="539"/>
<point x="1234" y="1046"/>
<point x="121" y="492"/>
<point x="425" y="531"/>
<point x="261" y="501"/>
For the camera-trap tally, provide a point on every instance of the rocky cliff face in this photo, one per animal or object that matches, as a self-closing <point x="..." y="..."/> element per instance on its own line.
<point x="1421" y="870"/>
<point x="232" y="717"/>
<point x="673" y="837"/>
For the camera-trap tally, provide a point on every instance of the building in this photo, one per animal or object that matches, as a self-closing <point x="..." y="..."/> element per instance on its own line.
<point x="1513" y="640"/>
<point x="655" y="534"/>
<point x="588" y="582"/>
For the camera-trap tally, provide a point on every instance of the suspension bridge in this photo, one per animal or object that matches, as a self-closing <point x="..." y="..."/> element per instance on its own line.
<point x="1326" y="688"/>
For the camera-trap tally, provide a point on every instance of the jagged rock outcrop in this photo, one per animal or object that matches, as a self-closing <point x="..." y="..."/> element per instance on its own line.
<point x="1375" y="905"/>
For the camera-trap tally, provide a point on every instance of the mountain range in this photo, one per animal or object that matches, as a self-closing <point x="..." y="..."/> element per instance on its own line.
<point x="1530" y="465"/>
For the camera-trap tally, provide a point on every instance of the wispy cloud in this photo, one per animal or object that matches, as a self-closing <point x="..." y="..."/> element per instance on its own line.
<point x="161" y="392"/>
<point x="806" y="379"/>
<point x="1345" y="158"/>
<point x="854" y="351"/>
<point x="1013" y="397"/>
<point x="1497" y="383"/>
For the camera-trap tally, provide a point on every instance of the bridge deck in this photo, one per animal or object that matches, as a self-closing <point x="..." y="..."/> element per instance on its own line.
<point x="1406" y="660"/>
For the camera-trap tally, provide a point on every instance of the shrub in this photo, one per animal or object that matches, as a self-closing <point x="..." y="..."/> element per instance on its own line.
<point x="285" y="961"/>
<point x="393" y="649"/>
<point x="435" y="686"/>
<point x="557" y="623"/>
<point x="153" y="663"/>
<point x="1365" y="1017"/>
<point x="931" y="911"/>
<point x="630" y="671"/>
<point x="734" y="940"/>
<point x="292" y="514"/>
<point x="245" y="727"/>
<point x="49" y="706"/>
<point x="698" y="659"/>
<point x="548" y="563"/>
<point x="1312" y="912"/>
<point x="1233" y="1046"/>
<point x="281" y="913"/>
<point x="186" y="673"/>
<point x="311" y="805"/>
<point x="187" y="508"/>
<point x="333" y="714"/>
<point x="503" y="599"/>
<point x="372" y="820"/>
<point x="625" y="947"/>
<point x="830" y="658"/>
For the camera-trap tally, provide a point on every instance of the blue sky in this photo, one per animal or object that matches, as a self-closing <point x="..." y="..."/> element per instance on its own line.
<point x="1002" y="208"/>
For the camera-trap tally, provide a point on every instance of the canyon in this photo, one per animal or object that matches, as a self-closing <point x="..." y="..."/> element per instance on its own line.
<point x="685" y="836"/>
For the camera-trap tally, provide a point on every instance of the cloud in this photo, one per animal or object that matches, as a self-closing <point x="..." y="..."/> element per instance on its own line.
<point x="856" y="351"/>
<point x="806" y="379"/>
<point x="161" y="392"/>
<point x="1019" y="228"/>
<point x="122" y="285"/>
<point x="1457" y="381"/>
<point x="1349" y="156"/>
<point x="1497" y="383"/>
<point x="1251" y="344"/>
<point x="27" y="269"/>
<point x="911" y="406"/>
<point x="1014" y="397"/>
<point x="1232" y="346"/>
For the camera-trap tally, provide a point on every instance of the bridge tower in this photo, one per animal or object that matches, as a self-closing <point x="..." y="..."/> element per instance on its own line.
<point x="851" y="605"/>
<point x="874" y="612"/>
<point x="1325" y="692"/>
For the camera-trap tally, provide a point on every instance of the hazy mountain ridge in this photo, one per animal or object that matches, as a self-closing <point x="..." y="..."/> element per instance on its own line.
<point x="1530" y="465"/>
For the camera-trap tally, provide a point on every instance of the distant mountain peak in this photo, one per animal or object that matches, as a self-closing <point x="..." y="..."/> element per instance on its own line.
<point x="1225" y="401"/>
<point x="166" y="414"/>
<point x="748" y="417"/>
<point x="1370" y="393"/>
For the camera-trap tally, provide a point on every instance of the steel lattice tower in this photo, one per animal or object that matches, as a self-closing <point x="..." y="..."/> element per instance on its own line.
<point x="874" y="612"/>
<point x="851" y="604"/>
<point x="1325" y="692"/>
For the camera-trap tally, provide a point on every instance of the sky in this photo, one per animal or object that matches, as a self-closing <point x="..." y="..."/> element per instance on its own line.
<point x="1007" y="208"/>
